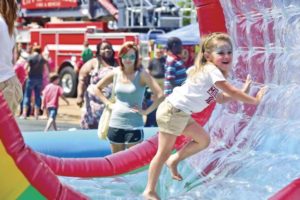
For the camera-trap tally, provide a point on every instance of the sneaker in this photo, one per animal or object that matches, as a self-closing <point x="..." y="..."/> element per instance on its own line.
<point x="22" y="117"/>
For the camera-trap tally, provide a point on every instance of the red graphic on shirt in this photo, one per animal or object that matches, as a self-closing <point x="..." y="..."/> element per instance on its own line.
<point x="213" y="92"/>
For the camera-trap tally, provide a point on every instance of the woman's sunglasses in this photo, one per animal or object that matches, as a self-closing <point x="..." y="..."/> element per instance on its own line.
<point x="130" y="57"/>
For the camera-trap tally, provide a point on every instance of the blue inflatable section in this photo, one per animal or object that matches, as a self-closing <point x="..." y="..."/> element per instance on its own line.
<point x="72" y="144"/>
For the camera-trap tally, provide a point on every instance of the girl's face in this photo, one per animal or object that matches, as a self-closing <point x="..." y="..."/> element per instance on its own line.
<point x="129" y="58"/>
<point x="221" y="56"/>
<point x="106" y="50"/>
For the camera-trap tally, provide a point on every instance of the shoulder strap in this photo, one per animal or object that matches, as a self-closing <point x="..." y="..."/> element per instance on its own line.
<point x="99" y="63"/>
<point x="112" y="96"/>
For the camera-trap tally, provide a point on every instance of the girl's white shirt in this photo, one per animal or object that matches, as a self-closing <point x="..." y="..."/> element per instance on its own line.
<point x="195" y="95"/>
<point x="7" y="44"/>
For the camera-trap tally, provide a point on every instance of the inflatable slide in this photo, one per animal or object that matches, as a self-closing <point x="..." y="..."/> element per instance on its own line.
<point x="254" y="150"/>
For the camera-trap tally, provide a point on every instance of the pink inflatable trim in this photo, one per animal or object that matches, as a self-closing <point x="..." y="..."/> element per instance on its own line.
<point x="32" y="166"/>
<point x="119" y="163"/>
<point x="41" y="170"/>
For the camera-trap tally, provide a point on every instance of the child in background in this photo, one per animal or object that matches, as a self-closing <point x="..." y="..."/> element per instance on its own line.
<point x="51" y="95"/>
<point x="205" y="84"/>
<point x="21" y="73"/>
<point x="19" y="67"/>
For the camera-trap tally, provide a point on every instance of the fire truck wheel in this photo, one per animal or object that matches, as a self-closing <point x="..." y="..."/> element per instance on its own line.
<point x="68" y="81"/>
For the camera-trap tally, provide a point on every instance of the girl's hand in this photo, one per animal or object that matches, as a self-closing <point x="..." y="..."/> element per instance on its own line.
<point x="247" y="84"/>
<point x="260" y="94"/>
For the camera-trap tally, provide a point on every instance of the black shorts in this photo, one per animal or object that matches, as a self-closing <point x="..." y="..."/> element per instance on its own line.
<point x="122" y="136"/>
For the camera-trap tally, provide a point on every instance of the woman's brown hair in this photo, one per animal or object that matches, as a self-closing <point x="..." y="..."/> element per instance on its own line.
<point x="124" y="49"/>
<point x="8" y="9"/>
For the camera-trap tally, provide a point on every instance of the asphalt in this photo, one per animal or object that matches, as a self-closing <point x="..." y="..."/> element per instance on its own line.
<point x="68" y="118"/>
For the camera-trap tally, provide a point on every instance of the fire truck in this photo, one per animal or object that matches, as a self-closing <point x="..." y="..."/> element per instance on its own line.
<point x="64" y="47"/>
<point x="115" y="21"/>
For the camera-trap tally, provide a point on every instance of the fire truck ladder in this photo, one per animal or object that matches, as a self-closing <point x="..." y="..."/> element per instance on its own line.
<point x="138" y="13"/>
<point x="163" y="14"/>
<point x="187" y="12"/>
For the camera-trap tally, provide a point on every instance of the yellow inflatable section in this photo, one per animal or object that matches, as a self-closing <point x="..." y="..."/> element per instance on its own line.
<point x="13" y="184"/>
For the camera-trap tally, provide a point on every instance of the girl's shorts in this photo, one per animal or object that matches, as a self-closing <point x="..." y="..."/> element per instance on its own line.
<point x="12" y="92"/>
<point x="52" y="112"/>
<point x="122" y="136"/>
<point x="172" y="120"/>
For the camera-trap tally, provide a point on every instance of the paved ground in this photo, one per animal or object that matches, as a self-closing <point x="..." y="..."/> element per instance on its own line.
<point x="68" y="119"/>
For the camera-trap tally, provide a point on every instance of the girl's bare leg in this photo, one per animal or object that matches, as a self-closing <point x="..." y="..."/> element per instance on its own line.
<point x="36" y="112"/>
<point x="49" y="124"/>
<point x="200" y="140"/>
<point x="117" y="147"/>
<point x="128" y="146"/>
<point x="165" y="145"/>
<point x="54" y="124"/>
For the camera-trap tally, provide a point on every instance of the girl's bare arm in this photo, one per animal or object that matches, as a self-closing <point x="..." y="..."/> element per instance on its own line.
<point x="224" y="97"/>
<point x="236" y="94"/>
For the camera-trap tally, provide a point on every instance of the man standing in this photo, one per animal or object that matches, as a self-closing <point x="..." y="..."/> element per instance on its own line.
<point x="175" y="73"/>
<point x="35" y="66"/>
<point x="157" y="67"/>
<point x="87" y="53"/>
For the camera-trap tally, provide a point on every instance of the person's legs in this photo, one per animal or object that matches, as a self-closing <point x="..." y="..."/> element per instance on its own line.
<point x="165" y="145"/>
<point x="37" y="95"/>
<point x="117" y="147"/>
<point x="131" y="145"/>
<point x="51" y="120"/>
<point x="54" y="124"/>
<point x="49" y="124"/>
<point x="36" y="112"/>
<point x="27" y="98"/>
<point x="116" y="137"/>
<point x="200" y="140"/>
<point x="133" y="137"/>
<point x="21" y="104"/>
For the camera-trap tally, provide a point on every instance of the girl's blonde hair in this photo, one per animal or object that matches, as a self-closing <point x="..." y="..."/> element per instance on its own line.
<point x="208" y="44"/>
<point x="8" y="9"/>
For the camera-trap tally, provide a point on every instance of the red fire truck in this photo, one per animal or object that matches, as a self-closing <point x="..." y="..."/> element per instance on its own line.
<point x="63" y="42"/>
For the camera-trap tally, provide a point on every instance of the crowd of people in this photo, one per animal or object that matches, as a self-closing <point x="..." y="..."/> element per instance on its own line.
<point x="24" y="71"/>
<point x="126" y="123"/>
<point x="10" y="86"/>
<point x="175" y="91"/>
<point x="90" y="73"/>
<point x="138" y="89"/>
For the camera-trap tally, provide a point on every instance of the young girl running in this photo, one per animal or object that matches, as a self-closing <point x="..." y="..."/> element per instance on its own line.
<point x="205" y="83"/>
<point x="51" y="95"/>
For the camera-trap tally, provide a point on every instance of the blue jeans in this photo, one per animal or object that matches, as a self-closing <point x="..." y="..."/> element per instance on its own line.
<point x="52" y="112"/>
<point x="34" y="84"/>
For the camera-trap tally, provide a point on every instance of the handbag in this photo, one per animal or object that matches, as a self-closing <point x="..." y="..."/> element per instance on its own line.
<point x="103" y="125"/>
